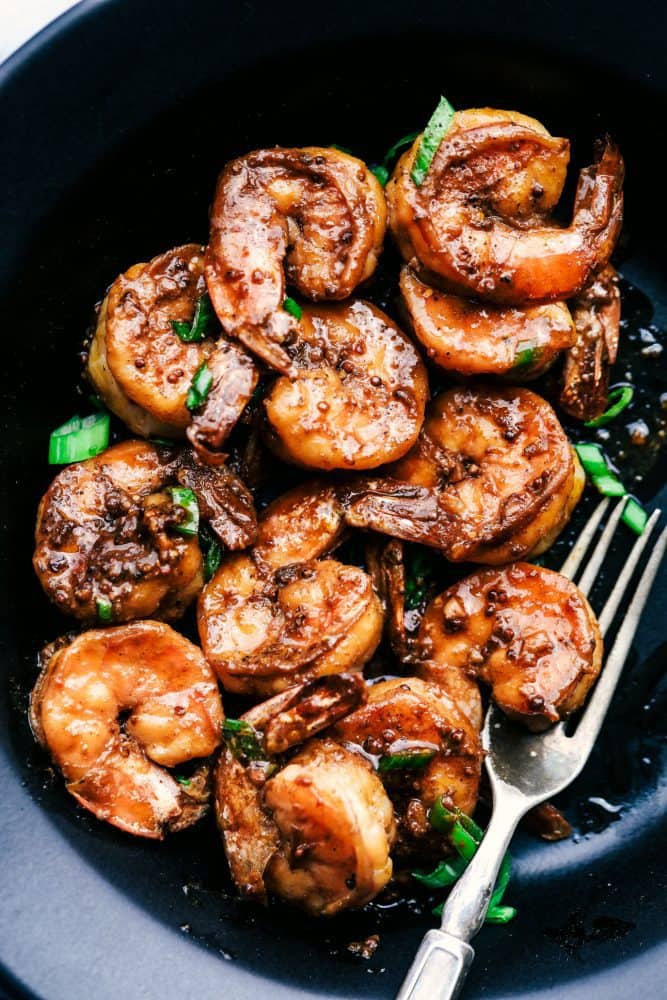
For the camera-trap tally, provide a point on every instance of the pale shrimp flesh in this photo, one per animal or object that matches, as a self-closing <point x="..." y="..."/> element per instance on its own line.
<point x="117" y="709"/>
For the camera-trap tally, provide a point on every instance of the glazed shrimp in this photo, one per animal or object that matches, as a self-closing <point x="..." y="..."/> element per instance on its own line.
<point x="597" y="317"/>
<point x="480" y="221"/>
<point x="143" y="370"/>
<point x="313" y="216"/>
<point x="282" y="614"/>
<point x="405" y="715"/>
<point x="492" y="477"/>
<point x="107" y="532"/>
<point x="318" y="833"/>
<point x="357" y="399"/>
<point x="478" y="339"/>
<point x="161" y="686"/>
<point x="526" y="631"/>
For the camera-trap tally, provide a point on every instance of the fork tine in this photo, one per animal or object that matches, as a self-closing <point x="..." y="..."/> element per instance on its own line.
<point x="596" y="709"/>
<point x="616" y="596"/>
<point x="600" y="550"/>
<point x="573" y="561"/>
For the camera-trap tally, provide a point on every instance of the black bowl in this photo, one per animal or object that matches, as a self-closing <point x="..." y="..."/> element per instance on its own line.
<point x="115" y="121"/>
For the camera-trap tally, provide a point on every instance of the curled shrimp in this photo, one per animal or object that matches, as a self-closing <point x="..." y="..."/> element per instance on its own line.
<point x="319" y="831"/>
<point x="117" y="708"/>
<point x="526" y="631"/>
<point x="472" y="338"/>
<point x="357" y="399"/>
<point x="491" y="478"/>
<point x="480" y="221"/>
<point x="282" y="614"/>
<point x="404" y="716"/>
<point x="314" y="216"/>
<point x="107" y="532"/>
<point x="143" y="369"/>
<point x="597" y="317"/>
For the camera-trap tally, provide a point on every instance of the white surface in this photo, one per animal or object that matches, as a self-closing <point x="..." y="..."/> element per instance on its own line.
<point x="21" y="19"/>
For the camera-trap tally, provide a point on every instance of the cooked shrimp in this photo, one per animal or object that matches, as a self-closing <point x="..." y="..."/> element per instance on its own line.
<point x="480" y="221"/>
<point x="491" y="478"/>
<point x="597" y="317"/>
<point x="526" y="631"/>
<point x="107" y="532"/>
<point x="477" y="338"/>
<point x="143" y="370"/>
<point x="115" y="708"/>
<point x="358" y="396"/>
<point x="281" y="614"/>
<point x="408" y="715"/>
<point x="313" y="216"/>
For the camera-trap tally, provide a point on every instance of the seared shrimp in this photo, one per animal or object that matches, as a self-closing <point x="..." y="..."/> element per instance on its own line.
<point x="476" y="338"/>
<point x="320" y="831"/>
<point x="107" y="535"/>
<point x="492" y="478"/>
<point x="115" y="708"/>
<point x="143" y="370"/>
<point x="526" y="631"/>
<point x="315" y="216"/>
<point x="597" y="317"/>
<point x="479" y="222"/>
<point x="281" y="614"/>
<point x="358" y="396"/>
<point x="410" y="716"/>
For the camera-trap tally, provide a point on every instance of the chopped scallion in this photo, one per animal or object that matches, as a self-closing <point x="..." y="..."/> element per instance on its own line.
<point x="199" y="387"/>
<point x="634" y="515"/>
<point x="406" y="760"/>
<point x="196" y="330"/>
<point x="186" y="782"/>
<point x="383" y="170"/>
<point x="79" y="438"/>
<point x="445" y="873"/>
<point x="243" y="740"/>
<point x="212" y="560"/>
<point x="527" y="353"/>
<point x="619" y="398"/>
<point x="438" y="126"/>
<point x="186" y="499"/>
<point x="293" y="308"/>
<point x="607" y="482"/>
<point x="104" y="610"/>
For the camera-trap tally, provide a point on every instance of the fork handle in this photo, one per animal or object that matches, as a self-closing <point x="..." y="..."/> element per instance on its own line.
<point x="439" y="969"/>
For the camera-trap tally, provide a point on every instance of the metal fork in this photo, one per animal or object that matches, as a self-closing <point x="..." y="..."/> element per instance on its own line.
<point x="526" y="769"/>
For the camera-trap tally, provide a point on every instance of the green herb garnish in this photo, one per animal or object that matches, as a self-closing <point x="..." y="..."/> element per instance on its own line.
<point x="383" y="170"/>
<point x="186" y="782"/>
<point x="104" y="610"/>
<point x="196" y="330"/>
<point x="243" y="740"/>
<point x="199" y="387"/>
<point x="292" y="307"/>
<point x="212" y="560"/>
<point x="607" y="482"/>
<point x="406" y="760"/>
<point x="79" y="438"/>
<point x="186" y="499"/>
<point x="438" y="125"/>
<point x="527" y="352"/>
<point x="619" y="398"/>
<point x="418" y="573"/>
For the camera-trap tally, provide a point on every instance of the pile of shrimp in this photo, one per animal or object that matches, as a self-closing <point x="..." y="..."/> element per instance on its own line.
<point x="351" y="719"/>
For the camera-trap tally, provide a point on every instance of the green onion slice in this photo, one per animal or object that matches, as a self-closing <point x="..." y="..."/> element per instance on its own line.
<point x="438" y="126"/>
<point x="186" y="499"/>
<point x="104" y="610"/>
<point x="186" y="782"/>
<point x="191" y="333"/>
<point x="607" y="482"/>
<point x="406" y="760"/>
<point x="419" y="571"/>
<point x="199" y="387"/>
<point x="527" y="352"/>
<point x="243" y="740"/>
<point x="445" y="873"/>
<point x="381" y="172"/>
<point x="500" y="914"/>
<point x="292" y="307"/>
<point x="619" y="398"/>
<point x="212" y="560"/>
<point x="79" y="438"/>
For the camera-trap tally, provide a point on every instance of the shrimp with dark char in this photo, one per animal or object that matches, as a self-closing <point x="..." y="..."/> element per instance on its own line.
<point x="480" y="221"/>
<point x="526" y="631"/>
<point x="491" y="478"/>
<point x="143" y="369"/>
<point x="472" y="338"/>
<point x="315" y="217"/>
<point x="107" y="532"/>
<point x="281" y="613"/>
<point x="117" y="708"/>
<point x="357" y="398"/>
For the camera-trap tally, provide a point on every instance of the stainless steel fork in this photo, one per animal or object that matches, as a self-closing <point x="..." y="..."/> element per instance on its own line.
<point x="526" y="769"/>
